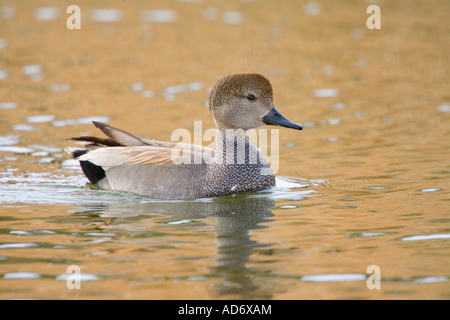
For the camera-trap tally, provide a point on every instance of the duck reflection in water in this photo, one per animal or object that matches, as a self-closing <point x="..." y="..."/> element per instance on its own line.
<point x="234" y="217"/>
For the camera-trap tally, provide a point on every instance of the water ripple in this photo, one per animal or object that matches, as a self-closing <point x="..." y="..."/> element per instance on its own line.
<point x="426" y="237"/>
<point x="334" y="277"/>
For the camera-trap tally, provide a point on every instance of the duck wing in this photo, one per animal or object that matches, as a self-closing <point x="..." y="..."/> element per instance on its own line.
<point x="126" y="162"/>
<point x="120" y="138"/>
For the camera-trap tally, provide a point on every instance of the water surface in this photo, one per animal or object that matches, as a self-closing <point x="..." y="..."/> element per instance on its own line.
<point x="366" y="183"/>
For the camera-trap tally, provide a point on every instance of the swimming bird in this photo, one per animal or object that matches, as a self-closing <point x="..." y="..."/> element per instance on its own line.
<point x="171" y="170"/>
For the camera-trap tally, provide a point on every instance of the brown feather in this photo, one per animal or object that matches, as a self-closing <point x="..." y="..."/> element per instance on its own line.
<point x="122" y="137"/>
<point x="97" y="141"/>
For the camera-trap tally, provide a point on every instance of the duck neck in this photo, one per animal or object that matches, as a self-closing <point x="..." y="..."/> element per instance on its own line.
<point x="235" y="147"/>
<point x="232" y="134"/>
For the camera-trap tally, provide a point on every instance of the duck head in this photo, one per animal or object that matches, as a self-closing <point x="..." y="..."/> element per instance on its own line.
<point x="245" y="101"/>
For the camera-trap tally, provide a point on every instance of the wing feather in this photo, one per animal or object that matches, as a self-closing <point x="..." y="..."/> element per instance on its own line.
<point x="122" y="148"/>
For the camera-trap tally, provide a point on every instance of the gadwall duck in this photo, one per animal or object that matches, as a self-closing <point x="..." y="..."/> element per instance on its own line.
<point x="170" y="170"/>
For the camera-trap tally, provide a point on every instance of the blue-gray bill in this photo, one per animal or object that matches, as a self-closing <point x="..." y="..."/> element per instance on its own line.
<point x="276" y="119"/>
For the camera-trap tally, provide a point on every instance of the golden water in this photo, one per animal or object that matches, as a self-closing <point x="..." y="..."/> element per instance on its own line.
<point x="365" y="183"/>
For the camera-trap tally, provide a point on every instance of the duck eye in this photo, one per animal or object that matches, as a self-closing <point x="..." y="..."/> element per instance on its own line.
<point x="251" y="97"/>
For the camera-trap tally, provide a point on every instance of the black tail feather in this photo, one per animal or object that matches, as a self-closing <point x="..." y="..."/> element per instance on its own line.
<point x="78" y="153"/>
<point x="93" y="172"/>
